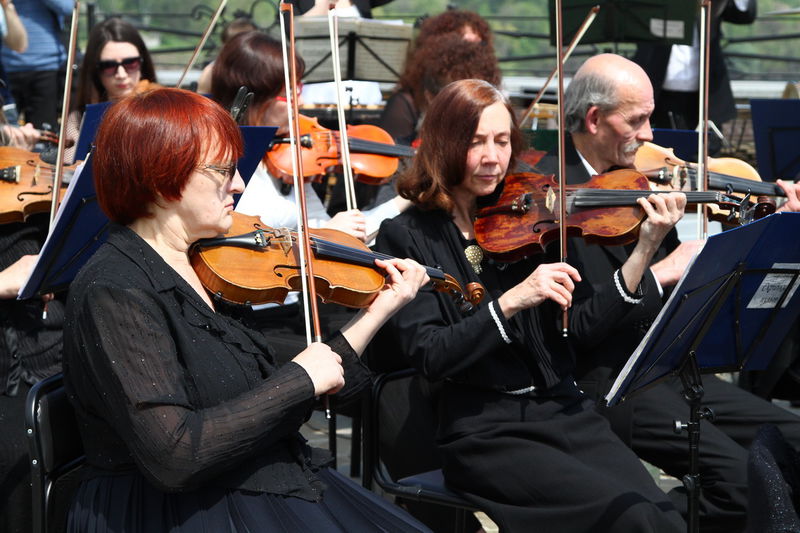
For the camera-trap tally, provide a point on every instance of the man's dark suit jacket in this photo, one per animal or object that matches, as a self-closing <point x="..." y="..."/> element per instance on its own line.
<point x="604" y="328"/>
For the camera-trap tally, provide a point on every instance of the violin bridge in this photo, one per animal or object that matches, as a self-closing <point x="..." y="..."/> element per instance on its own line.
<point x="550" y="199"/>
<point x="284" y="238"/>
<point x="35" y="179"/>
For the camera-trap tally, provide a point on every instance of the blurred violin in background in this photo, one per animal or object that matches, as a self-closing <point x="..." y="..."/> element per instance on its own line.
<point x="26" y="184"/>
<point x="668" y="172"/>
<point x="374" y="155"/>
<point x="662" y="166"/>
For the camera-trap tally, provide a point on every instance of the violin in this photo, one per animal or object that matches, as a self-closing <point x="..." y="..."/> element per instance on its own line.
<point x="668" y="171"/>
<point x="26" y="184"/>
<point x="604" y="210"/>
<point x="374" y="156"/>
<point x="254" y="264"/>
<point x="663" y="167"/>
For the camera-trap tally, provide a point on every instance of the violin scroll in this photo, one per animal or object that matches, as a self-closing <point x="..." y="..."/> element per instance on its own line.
<point x="466" y="300"/>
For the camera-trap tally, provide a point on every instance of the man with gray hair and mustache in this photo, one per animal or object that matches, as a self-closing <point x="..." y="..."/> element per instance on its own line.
<point x="608" y="106"/>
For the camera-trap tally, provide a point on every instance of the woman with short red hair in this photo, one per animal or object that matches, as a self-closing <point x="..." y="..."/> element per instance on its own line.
<point x="187" y="422"/>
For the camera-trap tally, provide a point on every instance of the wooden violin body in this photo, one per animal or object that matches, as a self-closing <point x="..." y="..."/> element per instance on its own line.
<point x="604" y="210"/>
<point x="374" y="156"/>
<point x="26" y="184"/>
<point x="256" y="264"/>
<point x="263" y="265"/>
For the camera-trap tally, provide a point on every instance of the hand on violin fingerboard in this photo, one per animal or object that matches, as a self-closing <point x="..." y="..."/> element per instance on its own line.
<point x="792" y="190"/>
<point x="550" y="281"/>
<point x="663" y="212"/>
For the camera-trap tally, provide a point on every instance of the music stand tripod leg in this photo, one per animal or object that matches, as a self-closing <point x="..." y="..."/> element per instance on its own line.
<point x="693" y="394"/>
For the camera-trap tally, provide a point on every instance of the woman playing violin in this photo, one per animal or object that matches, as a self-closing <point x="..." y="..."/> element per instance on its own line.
<point x="188" y="424"/>
<point x="116" y="63"/>
<point x="516" y="435"/>
<point x="254" y="59"/>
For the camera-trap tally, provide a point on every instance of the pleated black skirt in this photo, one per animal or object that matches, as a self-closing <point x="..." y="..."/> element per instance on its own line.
<point x="129" y="504"/>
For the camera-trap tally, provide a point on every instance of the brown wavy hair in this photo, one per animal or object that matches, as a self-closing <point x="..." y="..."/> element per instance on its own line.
<point x="446" y="134"/>
<point x="433" y="30"/>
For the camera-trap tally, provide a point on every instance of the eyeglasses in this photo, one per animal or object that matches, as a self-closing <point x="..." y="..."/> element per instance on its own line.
<point x="228" y="171"/>
<point x="110" y="66"/>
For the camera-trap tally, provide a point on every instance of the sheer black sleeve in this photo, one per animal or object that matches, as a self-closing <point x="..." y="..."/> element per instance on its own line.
<point x="123" y="354"/>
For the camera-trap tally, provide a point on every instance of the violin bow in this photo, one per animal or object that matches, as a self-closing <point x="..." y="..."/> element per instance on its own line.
<point x="347" y="169"/>
<point x="304" y="239"/>
<point x="202" y="42"/>
<point x="702" y="137"/>
<point x="65" y="103"/>
<point x="562" y="166"/>
<point x="572" y="45"/>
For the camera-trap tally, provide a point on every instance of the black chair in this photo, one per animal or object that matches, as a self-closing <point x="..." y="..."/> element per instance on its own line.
<point x="428" y="487"/>
<point x="56" y="453"/>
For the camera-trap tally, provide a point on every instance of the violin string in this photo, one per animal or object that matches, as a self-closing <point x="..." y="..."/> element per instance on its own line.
<point x="741" y="185"/>
<point x="363" y="257"/>
<point x="624" y="197"/>
<point x="366" y="146"/>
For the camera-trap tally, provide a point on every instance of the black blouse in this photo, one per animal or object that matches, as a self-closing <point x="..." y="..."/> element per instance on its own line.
<point x="443" y="343"/>
<point x="188" y="395"/>
<point x="30" y="346"/>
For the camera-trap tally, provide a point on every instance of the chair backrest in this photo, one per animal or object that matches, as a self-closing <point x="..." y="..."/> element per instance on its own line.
<point x="423" y="487"/>
<point x="56" y="452"/>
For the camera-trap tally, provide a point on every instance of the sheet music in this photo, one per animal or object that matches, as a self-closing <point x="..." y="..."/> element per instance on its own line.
<point x="388" y="39"/>
<point x="772" y="287"/>
<point x="25" y="289"/>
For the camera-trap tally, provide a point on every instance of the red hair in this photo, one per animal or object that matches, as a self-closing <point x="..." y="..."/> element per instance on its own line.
<point x="149" y="144"/>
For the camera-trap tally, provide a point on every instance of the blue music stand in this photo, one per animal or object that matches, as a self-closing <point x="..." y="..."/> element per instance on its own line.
<point x="730" y="311"/>
<point x="732" y="269"/>
<point x="776" y="129"/>
<point x="90" y="122"/>
<point x="80" y="226"/>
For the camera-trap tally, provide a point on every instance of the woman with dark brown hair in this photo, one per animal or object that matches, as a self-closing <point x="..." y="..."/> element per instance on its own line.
<point x="515" y="434"/>
<point x="187" y="421"/>
<point x="255" y="60"/>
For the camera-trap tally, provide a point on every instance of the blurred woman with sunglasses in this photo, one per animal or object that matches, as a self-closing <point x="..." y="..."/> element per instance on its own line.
<point x="116" y="63"/>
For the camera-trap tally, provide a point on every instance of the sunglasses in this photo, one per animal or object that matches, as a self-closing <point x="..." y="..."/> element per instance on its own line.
<point x="110" y="67"/>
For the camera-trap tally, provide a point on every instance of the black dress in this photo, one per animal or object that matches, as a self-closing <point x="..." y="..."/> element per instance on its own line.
<point x="534" y="459"/>
<point x="606" y="328"/>
<point x="186" y="422"/>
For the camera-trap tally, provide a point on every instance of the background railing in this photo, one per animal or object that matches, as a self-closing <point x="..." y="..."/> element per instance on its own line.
<point x="765" y="50"/>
